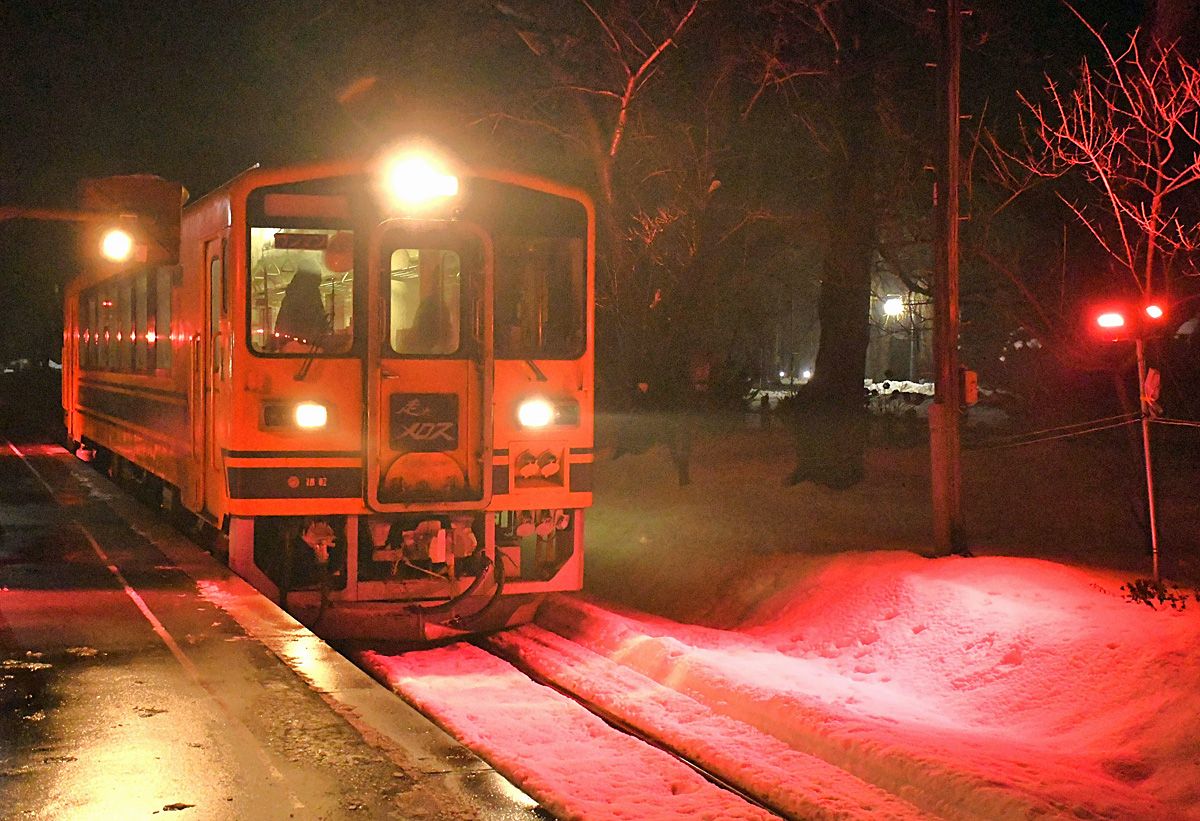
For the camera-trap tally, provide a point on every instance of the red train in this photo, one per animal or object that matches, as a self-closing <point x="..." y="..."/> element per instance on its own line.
<point x="376" y="378"/>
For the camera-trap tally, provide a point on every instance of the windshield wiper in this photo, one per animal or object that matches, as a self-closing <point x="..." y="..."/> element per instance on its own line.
<point x="317" y="344"/>
<point x="537" y="372"/>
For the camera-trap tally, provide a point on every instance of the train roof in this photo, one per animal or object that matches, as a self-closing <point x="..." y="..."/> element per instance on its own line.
<point x="257" y="176"/>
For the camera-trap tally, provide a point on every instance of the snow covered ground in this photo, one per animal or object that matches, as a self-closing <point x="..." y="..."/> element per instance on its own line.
<point x="798" y="638"/>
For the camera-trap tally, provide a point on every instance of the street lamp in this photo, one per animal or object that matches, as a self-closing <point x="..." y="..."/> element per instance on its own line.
<point x="895" y="307"/>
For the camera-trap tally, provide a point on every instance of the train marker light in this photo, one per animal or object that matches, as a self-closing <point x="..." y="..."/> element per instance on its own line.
<point x="535" y="413"/>
<point x="117" y="245"/>
<point x="1154" y="311"/>
<point x="1111" y="319"/>
<point x="310" y="415"/>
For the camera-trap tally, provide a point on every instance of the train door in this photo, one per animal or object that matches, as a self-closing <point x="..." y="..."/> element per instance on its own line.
<point x="70" y="362"/>
<point x="215" y="370"/>
<point x="429" y="369"/>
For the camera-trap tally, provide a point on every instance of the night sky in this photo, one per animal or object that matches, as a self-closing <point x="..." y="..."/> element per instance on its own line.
<point x="197" y="92"/>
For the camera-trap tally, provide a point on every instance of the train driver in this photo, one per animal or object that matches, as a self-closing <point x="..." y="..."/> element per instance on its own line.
<point x="302" y="322"/>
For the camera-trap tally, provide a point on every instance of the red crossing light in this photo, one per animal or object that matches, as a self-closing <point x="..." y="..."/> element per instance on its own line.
<point x="1115" y="322"/>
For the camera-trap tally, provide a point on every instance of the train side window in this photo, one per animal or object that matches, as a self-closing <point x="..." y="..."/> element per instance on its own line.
<point x="94" y="344"/>
<point x="301" y="290"/>
<point x="140" y="326"/>
<point x="215" y="290"/>
<point x="426" y="301"/>
<point x="125" y="326"/>
<point x="87" y="322"/>
<point x="107" y="329"/>
<point x="162" y="319"/>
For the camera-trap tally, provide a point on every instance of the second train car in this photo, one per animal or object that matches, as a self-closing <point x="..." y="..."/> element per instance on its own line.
<point x="376" y="378"/>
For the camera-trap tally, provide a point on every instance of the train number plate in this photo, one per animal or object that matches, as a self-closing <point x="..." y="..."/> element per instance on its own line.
<point x="424" y="422"/>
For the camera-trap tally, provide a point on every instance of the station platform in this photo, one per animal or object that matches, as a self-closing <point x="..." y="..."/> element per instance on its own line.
<point x="140" y="678"/>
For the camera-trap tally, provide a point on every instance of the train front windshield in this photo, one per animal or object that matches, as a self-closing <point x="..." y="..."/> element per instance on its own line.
<point x="308" y="240"/>
<point x="302" y="289"/>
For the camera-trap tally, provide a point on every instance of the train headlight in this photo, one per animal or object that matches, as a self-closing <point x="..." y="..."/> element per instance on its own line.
<point x="116" y="245"/>
<point x="310" y="415"/>
<point x="417" y="179"/>
<point x="535" y="413"/>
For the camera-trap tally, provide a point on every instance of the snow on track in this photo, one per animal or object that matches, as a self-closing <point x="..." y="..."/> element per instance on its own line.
<point x="801" y="785"/>
<point x="572" y="762"/>
<point x="952" y="773"/>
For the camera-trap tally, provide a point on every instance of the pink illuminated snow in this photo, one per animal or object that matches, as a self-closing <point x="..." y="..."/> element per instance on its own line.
<point x="733" y="618"/>
<point x="974" y="688"/>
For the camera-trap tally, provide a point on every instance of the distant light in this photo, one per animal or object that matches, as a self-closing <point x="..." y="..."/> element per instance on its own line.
<point x="893" y="306"/>
<point x="535" y="413"/>
<point x="311" y="415"/>
<point x="1111" y="319"/>
<point x="418" y="179"/>
<point x="782" y="374"/>
<point x="807" y="374"/>
<point x="151" y="336"/>
<point x="116" y="245"/>
<point x="1154" y="311"/>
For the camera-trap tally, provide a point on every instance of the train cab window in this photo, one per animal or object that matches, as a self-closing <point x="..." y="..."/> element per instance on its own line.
<point x="540" y="301"/>
<point x="301" y="290"/>
<point x="425" y="297"/>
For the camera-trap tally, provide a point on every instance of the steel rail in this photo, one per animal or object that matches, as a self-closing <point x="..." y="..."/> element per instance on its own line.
<point x="621" y="725"/>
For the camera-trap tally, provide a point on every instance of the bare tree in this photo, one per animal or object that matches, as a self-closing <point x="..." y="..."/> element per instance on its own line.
<point x="602" y="64"/>
<point x="1128" y="131"/>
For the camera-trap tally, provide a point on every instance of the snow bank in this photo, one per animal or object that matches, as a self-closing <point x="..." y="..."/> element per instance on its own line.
<point x="987" y="688"/>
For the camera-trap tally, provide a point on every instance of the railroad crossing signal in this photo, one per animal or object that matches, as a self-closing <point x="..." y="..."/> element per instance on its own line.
<point x="1120" y="322"/>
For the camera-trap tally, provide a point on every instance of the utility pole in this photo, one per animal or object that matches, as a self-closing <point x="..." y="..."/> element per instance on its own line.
<point x="1146" y="405"/>
<point x="944" y="443"/>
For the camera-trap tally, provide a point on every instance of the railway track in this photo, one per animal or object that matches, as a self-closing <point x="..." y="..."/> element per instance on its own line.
<point x="556" y="717"/>
<point x="622" y="725"/>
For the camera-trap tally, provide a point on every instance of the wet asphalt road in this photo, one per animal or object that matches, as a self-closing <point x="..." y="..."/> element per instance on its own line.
<point x="125" y="694"/>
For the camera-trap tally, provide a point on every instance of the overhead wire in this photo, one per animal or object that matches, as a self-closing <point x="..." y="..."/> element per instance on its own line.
<point x="1183" y="423"/>
<point x="1070" y="431"/>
